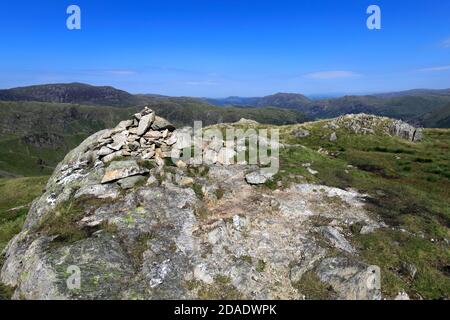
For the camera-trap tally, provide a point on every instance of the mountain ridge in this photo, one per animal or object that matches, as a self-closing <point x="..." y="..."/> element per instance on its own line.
<point x="410" y="105"/>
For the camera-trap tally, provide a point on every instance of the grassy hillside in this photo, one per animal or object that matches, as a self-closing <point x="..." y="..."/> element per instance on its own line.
<point x="19" y="118"/>
<point x="439" y="118"/>
<point x="16" y="196"/>
<point x="35" y="136"/>
<point x="18" y="158"/>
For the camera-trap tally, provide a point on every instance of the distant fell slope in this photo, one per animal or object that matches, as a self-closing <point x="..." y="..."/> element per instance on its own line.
<point x="72" y="93"/>
<point x="416" y="92"/>
<point x="279" y="100"/>
<point x="439" y="118"/>
<point x="405" y="105"/>
<point x="399" y="107"/>
<point x="285" y="100"/>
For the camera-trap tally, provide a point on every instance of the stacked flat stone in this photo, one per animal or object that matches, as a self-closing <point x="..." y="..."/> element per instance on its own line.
<point x="146" y="136"/>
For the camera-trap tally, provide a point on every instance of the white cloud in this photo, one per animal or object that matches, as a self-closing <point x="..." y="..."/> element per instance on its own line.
<point x="334" y="74"/>
<point x="435" y="69"/>
<point x="122" y="72"/>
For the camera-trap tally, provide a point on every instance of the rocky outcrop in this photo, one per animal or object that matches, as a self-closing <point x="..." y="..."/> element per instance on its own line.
<point x="300" y="133"/>
<point x="350" y="279"/>
<point x="44" y="140"/>
<point x="139" y="227"/>
<point x="258" y="177"/>
<point x="371" y="124"/>
<point x="406" y="131"/>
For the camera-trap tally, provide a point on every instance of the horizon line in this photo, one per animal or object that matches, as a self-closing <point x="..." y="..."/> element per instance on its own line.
<point x="308" y="95"/>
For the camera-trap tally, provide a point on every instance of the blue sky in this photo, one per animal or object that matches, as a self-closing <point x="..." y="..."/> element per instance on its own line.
<point x="229" y="47"/>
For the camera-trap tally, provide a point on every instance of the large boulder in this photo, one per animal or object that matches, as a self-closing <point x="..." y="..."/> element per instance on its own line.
<point x="352" y="280"/>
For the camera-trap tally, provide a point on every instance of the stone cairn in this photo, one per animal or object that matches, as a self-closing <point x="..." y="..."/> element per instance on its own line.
<point x="152" y="138"/>
<point x="146" y="136"/>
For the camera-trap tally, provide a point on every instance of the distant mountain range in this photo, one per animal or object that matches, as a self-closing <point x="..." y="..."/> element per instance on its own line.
<point x="40" y="124"/>
<point x="410" y="105"/>
<point x="420" y="106"/>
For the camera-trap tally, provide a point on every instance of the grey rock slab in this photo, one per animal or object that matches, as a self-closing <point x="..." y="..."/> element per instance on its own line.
<point x="244" y="121"/>
<point x="162" y="124"/>
<point x="144" y="123"/>
<point x="369" y="228"/>
<point x="408" y="269"/>
<point x="335" y="238"/>
<point x="226" y="156"/>
<point x="351" y="280"/>
<point x="148" y="154"/>
<point x="210" y="156"/>
<point x="310" y="256"/>
<point x="122" y="169"/>
<point x="153" y="134"/>
<point x="130" y="182"/>
<point x="172" y="140"/>
<point x="152" y="181"/>
<point x="300" y="133"/>
<point x="333" y="137"/>
<point x="216" y="144"/>
<point x="119" y="139"/>
<point x="258" y="177"/>
<point x="100" y="191"/>
<point x="123" y="125"/>
<point x="112" y="156"/>
<point x="402" y="296"/>
<point x="184" y="138"/>
<point x="104" y="151"/>
<point x="33" y="277"/>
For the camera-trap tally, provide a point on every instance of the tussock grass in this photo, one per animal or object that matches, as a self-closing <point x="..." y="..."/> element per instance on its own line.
<point x="16" y="196"/>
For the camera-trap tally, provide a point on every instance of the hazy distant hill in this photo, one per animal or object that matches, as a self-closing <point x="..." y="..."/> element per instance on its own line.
<point x="401" y="107"/>
<point x="279" y="100"/>
<point x="72" y="93"/>
<point x="439" y="118"/>
<point x="180" y="110"/>
<point x="406" y="105"/>
<point x="410" y="105"/>
<point x="416" y="92"/>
